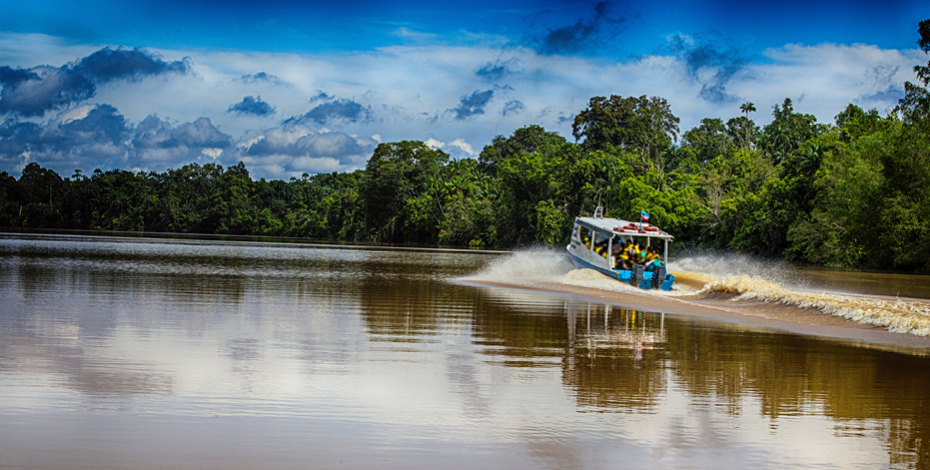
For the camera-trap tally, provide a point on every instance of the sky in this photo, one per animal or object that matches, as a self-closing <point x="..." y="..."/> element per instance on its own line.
<point x="291" y="87"/>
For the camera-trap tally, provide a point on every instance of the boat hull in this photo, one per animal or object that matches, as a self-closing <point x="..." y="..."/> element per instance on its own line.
<point x="584" y="264"/>
<point x="647" y="281"/>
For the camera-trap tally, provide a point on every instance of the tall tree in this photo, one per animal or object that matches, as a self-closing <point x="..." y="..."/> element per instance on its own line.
<point x="399" y="192"/>
<point x="709" y="140"/>
<point x="746" y="108"/>
<point x="642" y="124"/>
<point x="525" y="139"/>
<point x="787" y="131"/>
<point x="854" y="123"/>
<point x="915" y="106"/>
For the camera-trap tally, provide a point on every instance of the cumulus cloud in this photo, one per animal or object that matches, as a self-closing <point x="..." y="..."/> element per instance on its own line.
<point x="252" y="105"/>
<point x="512" y="107"/>
<point x="35" y="91"/>
<point x="497" y="70"/>
<point x="585" y="34"/>
<point x="260" y="77"/>
<point x="886" y="90"/>
<point x="11" y="77"/>
<point x="293" y="148"/>
<point x="412" y="93"/>
<point x="887" y="96"/>
<point x="91" y="136"/>
<point x="112" y="64"/>
<point x="99" y="137"/>
<point x="50" y="88"/>
<point x="337" y="110"/>
<point x="472" y="104"/>
<point x="457" y="149"/>
<point x="158" y="144"/>
<point x="712" y="62"/>
<point x="321" y="96"/>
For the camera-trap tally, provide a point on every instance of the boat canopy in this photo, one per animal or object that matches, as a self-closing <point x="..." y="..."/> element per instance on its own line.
<point x="623" y="227"/>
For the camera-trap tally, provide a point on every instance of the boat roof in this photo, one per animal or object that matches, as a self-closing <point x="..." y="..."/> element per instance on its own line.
<point x="617" y="226"/>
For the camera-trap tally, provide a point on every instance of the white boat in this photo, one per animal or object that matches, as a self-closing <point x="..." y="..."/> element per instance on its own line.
<point x="593" y="247"/>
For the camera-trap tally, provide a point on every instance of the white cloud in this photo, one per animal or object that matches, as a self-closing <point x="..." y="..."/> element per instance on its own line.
<point x="408" y="90"/>
<point x="434" y="144"/>
<point x="463" y="146"/>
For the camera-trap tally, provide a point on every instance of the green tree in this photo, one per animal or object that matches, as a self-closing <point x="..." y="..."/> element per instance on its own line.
<point x="854" y="123"/>
<point x="709" y="140"/>
<point x="643" y="124"/>
<point x="399" y="192"/>
<point x="525" y="139"/>
<point x="40" y="189"/>
<point x="915" y="106"/>
<point x="745" y="125"/>
<point x="787" y="131"/>
<point x="9" y="207"/>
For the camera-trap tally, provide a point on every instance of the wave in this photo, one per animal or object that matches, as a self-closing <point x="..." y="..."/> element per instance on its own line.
<point x="900" y="316"/>
<point x="750" y="279"/>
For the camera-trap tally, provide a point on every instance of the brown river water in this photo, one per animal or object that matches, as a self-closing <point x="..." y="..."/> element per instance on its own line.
<point x="216" y="354"/>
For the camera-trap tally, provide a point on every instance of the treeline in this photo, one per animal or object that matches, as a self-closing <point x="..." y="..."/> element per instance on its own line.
<point x="853" y="193"/>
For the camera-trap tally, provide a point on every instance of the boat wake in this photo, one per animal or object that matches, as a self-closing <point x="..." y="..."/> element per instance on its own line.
<point x="900" y="316"/>
<point x="734" y="283"/>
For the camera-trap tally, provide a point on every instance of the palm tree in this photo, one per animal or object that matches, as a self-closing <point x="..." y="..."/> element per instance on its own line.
<point x="747" y="108"/>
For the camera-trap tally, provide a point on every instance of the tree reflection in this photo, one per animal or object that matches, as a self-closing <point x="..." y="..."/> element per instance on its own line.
<point x="617" y="360"/>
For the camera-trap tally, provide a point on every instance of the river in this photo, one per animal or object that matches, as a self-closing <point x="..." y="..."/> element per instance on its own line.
<point x="184" y="353"/>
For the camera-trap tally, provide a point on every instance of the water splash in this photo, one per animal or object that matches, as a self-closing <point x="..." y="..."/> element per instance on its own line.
<point x="534" y="264"/>
<point x="741" y="277"/>
<point x="727" y="265"/>
<point x="900" y="316"/>
<point x="746" y="278"/>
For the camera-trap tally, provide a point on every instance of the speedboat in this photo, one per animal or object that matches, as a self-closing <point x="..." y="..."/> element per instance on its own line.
<point x="596" y="243"/>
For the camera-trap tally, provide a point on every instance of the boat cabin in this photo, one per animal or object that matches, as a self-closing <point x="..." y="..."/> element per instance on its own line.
<point x="596" y="242"/>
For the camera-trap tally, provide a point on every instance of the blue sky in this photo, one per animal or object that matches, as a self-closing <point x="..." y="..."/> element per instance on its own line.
<point x="291" y="86"/>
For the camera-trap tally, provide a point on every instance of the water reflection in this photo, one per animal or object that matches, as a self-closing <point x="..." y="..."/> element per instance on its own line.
<point x="363" y="354"/>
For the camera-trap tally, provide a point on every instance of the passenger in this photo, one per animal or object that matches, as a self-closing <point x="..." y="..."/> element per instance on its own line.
<point x="631" y="252"/>
<point x="601" y="248"/>
<point x="624" y="262"/>
<point x="653" y="260"/>
<point x="638" y="256"/>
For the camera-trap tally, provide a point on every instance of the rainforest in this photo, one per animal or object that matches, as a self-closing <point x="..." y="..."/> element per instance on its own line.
<point x="853" y="193"/>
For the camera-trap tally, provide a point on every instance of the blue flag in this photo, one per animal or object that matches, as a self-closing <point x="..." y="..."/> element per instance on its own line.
<point x="645" y="216"/>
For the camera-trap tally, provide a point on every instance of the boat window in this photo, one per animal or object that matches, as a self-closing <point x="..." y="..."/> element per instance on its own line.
<point x="586" y="235"/>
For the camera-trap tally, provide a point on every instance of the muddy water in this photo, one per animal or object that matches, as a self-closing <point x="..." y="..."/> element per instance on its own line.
<point x="151" y="353"/>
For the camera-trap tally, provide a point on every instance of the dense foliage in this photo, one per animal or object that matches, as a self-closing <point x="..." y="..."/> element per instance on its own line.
<point x="855" y="193"/>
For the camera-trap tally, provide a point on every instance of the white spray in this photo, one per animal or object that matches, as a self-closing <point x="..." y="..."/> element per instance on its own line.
<point x="534" y="264"/>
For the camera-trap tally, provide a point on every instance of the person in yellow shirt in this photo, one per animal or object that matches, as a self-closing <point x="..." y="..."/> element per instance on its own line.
<point x="623" y="257"/>
<point x="653" y="259"/>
